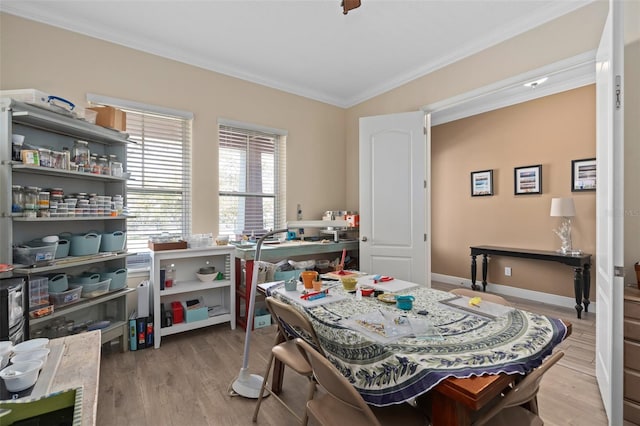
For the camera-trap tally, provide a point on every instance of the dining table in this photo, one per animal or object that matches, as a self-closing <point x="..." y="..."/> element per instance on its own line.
<point x="461" y="353"/>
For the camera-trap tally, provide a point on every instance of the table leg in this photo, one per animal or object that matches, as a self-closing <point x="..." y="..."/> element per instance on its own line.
<point x="586" y="279"/>
<point x="577" y="287"/>
<point x="484" y="272"/>
<point x="473" y="271"/>
<point x="448" y="412"/>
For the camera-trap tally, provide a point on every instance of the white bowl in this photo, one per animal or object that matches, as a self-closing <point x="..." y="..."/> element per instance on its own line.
<point x="35" y="355"/>
<point x="20" y="376"/>
<point x="5" y="351"/>
<point x="207" y="277"/>
<point x="30" y="345"/>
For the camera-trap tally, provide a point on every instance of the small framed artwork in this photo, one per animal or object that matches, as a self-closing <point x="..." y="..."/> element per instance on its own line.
<point x="482" y="183"/>
<point x="583" y="175"/>
<point x="528" y="180"/>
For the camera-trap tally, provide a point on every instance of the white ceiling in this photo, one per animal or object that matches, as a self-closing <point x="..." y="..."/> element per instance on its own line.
<point x="305" y="47"/>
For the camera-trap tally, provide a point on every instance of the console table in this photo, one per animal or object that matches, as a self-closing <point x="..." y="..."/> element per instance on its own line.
<point x="581" y="264"/>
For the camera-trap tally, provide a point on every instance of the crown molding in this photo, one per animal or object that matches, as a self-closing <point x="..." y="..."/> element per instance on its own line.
<point x="564" y="75"/>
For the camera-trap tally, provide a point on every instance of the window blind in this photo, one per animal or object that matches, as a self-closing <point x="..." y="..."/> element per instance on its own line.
<point x="252" y="167"/>
<point x="159" y="191"/>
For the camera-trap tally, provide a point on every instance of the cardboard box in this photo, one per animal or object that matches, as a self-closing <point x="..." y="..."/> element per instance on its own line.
<point x="110" y="117"/>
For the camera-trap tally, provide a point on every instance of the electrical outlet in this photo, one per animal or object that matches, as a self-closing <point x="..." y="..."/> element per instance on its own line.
<point x="507" y="271"/>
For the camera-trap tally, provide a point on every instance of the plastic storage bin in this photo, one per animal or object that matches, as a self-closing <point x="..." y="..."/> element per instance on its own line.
<point x="58" y="283"/>
<point x="30" y="255"/>
<point x="261" y="319"/>
<point x="38" y="292"/>
<point x="86" y="278"/>
<point x="66" y="297"/>
<point x="63" y="249"/>
<point x="85" y="244"/>
<point x="113" y="241"/>
<point x="94" y="289"/>
<point x="118" y="278"/>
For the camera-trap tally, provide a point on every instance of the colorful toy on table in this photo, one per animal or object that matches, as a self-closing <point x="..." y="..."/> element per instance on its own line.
<point x="315" y="295"/>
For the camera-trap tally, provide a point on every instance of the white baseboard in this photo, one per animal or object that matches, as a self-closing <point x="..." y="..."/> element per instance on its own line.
<point x="537" y="296"/>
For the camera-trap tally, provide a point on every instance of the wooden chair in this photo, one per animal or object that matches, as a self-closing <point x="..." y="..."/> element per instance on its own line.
<point x="343" y="405"/>
<point x="518" y="405"/>
<point x="484" y="296"/>
<point x="285" y="350"/>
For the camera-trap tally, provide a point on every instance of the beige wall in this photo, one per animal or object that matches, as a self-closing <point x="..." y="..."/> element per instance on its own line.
<point x="565" y="37"/>
<point x="550" y="131"/>
<point x="323" y="140"/>
<point x="60" y="62"/>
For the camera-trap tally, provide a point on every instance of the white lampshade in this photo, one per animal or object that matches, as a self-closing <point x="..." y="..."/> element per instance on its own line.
<point x="563" y="207"/>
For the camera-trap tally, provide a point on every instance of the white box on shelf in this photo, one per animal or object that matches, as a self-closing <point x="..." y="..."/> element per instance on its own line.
<point x="143" y="299"/>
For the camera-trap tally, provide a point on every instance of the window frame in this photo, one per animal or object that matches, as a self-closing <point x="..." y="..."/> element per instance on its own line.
<point x="185" y="119"/>
<point x="279" y="183"/>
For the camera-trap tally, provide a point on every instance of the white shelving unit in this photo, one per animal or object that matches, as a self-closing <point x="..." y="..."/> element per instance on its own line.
<point x="44" y="128"/>
<point x="219" y="293"/>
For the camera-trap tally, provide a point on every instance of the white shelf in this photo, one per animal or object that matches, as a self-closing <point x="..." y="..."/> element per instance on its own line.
<point x="69" y="262"/>
<point x="185" y="287"/>
<point x="66" y="218"/>
<point x="49" y="171"/>
<point x="217" y="292"/>
<point x="82" y="304"/>
<point x="186" y="326"/>
<point x="47" y="128"/>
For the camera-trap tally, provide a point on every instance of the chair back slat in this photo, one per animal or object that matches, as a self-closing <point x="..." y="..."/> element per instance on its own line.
<point x="523" y="392"/>
<point x="292" y="323"/>
<point x="335" y="383"/>
<point x="528" y="387"/>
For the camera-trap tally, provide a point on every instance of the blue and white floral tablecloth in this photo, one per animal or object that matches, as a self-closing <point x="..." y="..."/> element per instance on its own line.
<point x="390" y="373"/>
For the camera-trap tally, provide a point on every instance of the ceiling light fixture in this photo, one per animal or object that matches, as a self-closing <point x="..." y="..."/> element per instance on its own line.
<point x="348" y="5"/>
<point x="536" y="83"/>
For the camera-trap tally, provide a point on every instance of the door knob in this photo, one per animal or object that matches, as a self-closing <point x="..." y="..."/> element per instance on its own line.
<point x="364" y="239"/>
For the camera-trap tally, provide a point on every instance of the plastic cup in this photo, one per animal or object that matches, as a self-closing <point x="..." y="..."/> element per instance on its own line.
<point x="308" y="277"/>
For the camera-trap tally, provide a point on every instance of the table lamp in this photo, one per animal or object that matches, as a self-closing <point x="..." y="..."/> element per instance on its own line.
<point x="247" y="384"/>
<point x="564" y="207"/>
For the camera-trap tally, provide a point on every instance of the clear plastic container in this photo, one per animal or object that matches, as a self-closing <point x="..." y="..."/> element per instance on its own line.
<point x="103" y="164"/>
<point x="116" y="166"/>
<point x="80" y="154"/>
<point x="31" y="198"/>
<point x="170" y="276"/>
<point x="43" y="200"/>
<point x="45" y="157"/>
<point x="65" y="163"/>
<point x="94" y="166"/>
<point x="17" y="203"/>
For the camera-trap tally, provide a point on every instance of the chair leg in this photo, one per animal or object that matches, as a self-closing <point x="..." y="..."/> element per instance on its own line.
<point x="533" y="405"/>
<point x="312" y="391"/>
<point x="262" y="388"/>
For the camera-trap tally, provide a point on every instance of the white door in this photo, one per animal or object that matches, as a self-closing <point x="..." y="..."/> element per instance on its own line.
<point x="394" y="196"/>
<point x="609" y="214"/>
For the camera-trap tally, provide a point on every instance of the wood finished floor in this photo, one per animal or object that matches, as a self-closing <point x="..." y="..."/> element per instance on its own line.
<point x="186" y="381"/>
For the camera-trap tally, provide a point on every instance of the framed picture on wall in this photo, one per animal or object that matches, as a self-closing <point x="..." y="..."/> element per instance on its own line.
<point x="583" y="175"/>
<point x="482" y="183"/>
<point x="528" y="180"/>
